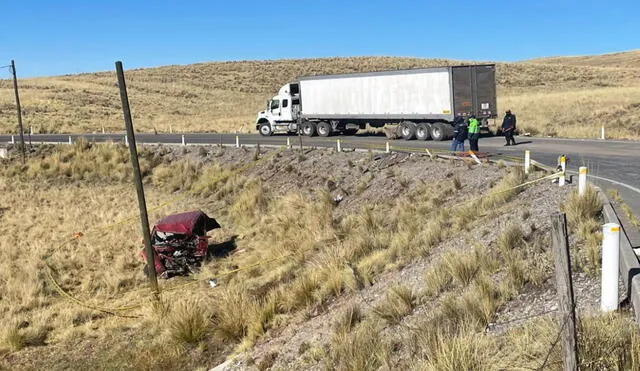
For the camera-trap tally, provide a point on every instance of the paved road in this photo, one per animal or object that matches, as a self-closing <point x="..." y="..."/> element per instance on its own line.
<point x="612" y="164"/>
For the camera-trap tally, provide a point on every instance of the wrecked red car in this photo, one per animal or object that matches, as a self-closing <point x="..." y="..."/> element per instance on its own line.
<point x="180" y="243"/>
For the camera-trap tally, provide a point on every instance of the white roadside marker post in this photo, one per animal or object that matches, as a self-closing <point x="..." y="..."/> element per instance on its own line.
<point x="388" y="148"/>
<point x="338" y="145"/>
<point x="602" y="136"/>
<point x="13" y="140"/>
<point x="126" y="140"/>
<point x="237" y="141"/>
<point x="288" y="142"/>
<point x="70" y="141"/>
<point x="563" y="165"/>
<point x="527" y="161"/>
<point x="610" y="266"/>
<point x="184" y="143"/>
<point x="582" y="180"/>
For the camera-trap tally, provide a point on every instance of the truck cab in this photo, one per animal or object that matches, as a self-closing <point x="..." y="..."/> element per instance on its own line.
<point x="281" y="113"/>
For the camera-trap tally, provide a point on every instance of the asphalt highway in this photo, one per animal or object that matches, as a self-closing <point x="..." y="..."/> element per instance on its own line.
<point x="611" y="164"/>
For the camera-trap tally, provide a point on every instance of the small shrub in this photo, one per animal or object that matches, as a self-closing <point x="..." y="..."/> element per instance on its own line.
<point x="188" y="323"/>
<point x="349" y="317"/>
<point x="580" y="209"/>
<point x="462" y="266"/>
<point x="511" y="238"/>
<point x="437" y="280"/>
<point x="399" y="302"/>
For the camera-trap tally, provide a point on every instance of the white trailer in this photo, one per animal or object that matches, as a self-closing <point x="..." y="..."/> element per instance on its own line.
<point x="424" y="102"/>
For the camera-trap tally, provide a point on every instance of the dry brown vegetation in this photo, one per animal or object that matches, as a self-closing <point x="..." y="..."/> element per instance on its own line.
<point x="567" y="99"/>
<point x="303" y="254"/>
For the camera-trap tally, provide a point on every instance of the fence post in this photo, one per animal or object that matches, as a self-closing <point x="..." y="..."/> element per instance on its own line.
<point x="527" y="161"/>
<point x="564" y="288"/>
<point x="184" y="143"/>
<point x="237" y="141"/>
<point x="388" y="148"/>
<point x="563" y="166"/>
<point x="610" y="266"/>
<point x="338" y="145"/>
<point x="582" y="180"/>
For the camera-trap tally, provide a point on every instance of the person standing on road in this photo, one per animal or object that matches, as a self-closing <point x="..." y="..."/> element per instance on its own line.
<point x="474" y="133"/>
<point x="509" y="127"/>
<point x="459" y="134"/>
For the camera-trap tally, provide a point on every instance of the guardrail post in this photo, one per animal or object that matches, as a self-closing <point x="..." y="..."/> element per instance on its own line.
<point x="527" y="161"/>
<point x="70" y="141"/>
<point x="184" y="143"/>
<point x="237" y="141"/>
<point x="602" y="136"/>
<point x="338" y="146"/>
<point x="563" y="166"/>
<point x="610" y="266"/>
<point x="388" y="148"/>
<point x="582" y="180"/>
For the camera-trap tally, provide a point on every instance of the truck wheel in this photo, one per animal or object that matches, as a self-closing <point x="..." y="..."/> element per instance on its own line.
<point x="438" y="132"/>
<point x="422" y="132"/>
<point x="265" y="129"/>
<point x="408" y="130"/>
<point x="309" y="129"/>
<point x="324" y="129"/>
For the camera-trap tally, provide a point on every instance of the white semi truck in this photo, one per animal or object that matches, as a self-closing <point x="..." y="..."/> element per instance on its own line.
<point x="423" y="102"/>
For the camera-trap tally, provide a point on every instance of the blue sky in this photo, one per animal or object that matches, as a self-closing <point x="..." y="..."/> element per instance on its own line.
<point x="60" y="37"/>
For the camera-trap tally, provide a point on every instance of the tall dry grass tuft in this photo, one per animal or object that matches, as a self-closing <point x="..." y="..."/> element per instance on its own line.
<point x="362" y="349"/>
<point x="188" y="322"/>
<point x="399" y="302"/>
<point x="348" y="319"/>
<point x="234" y="310"/>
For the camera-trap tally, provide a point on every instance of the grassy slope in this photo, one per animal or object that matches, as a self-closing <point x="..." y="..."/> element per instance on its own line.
<point x="629" y="59"/>
<point x="326" y="252"/>
<point x="549" y="99"/>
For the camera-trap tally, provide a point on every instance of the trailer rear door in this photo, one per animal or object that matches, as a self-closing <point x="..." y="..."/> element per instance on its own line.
<point x="474" y="90"/>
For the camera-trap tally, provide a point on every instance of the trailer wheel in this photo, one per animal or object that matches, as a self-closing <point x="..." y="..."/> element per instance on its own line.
<point x="324" y="129"/>
<point x="265" y="129"/>
<point x="438" y="132"/>
<point x="422" y="132"/>
<point x="309" y="129"/>
<point x="408" y="130"/>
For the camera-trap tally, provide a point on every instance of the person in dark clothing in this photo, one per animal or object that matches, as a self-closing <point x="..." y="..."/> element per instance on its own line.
<point x="460" y="133"/>
<point x="509" y="127"/>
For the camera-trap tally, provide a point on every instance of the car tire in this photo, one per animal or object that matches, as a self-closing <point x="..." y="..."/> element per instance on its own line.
<point x="265" y="129"/>
<point x="423" y="132"/>
<point x="324" y="129"/>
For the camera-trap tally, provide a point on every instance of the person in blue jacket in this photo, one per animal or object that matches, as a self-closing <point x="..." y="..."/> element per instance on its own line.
<point x="460" y="134"/>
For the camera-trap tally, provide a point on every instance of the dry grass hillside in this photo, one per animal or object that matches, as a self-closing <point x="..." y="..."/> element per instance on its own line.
<point x="406" y="271"/>
<point x="549" y="99"/>
<point x="630" y="59"/>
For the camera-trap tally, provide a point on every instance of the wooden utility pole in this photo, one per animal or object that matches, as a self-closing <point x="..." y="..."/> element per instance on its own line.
<point x="144" y="218"/>
<point x="564" y="287"/>
<point x="19" y="109"/>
